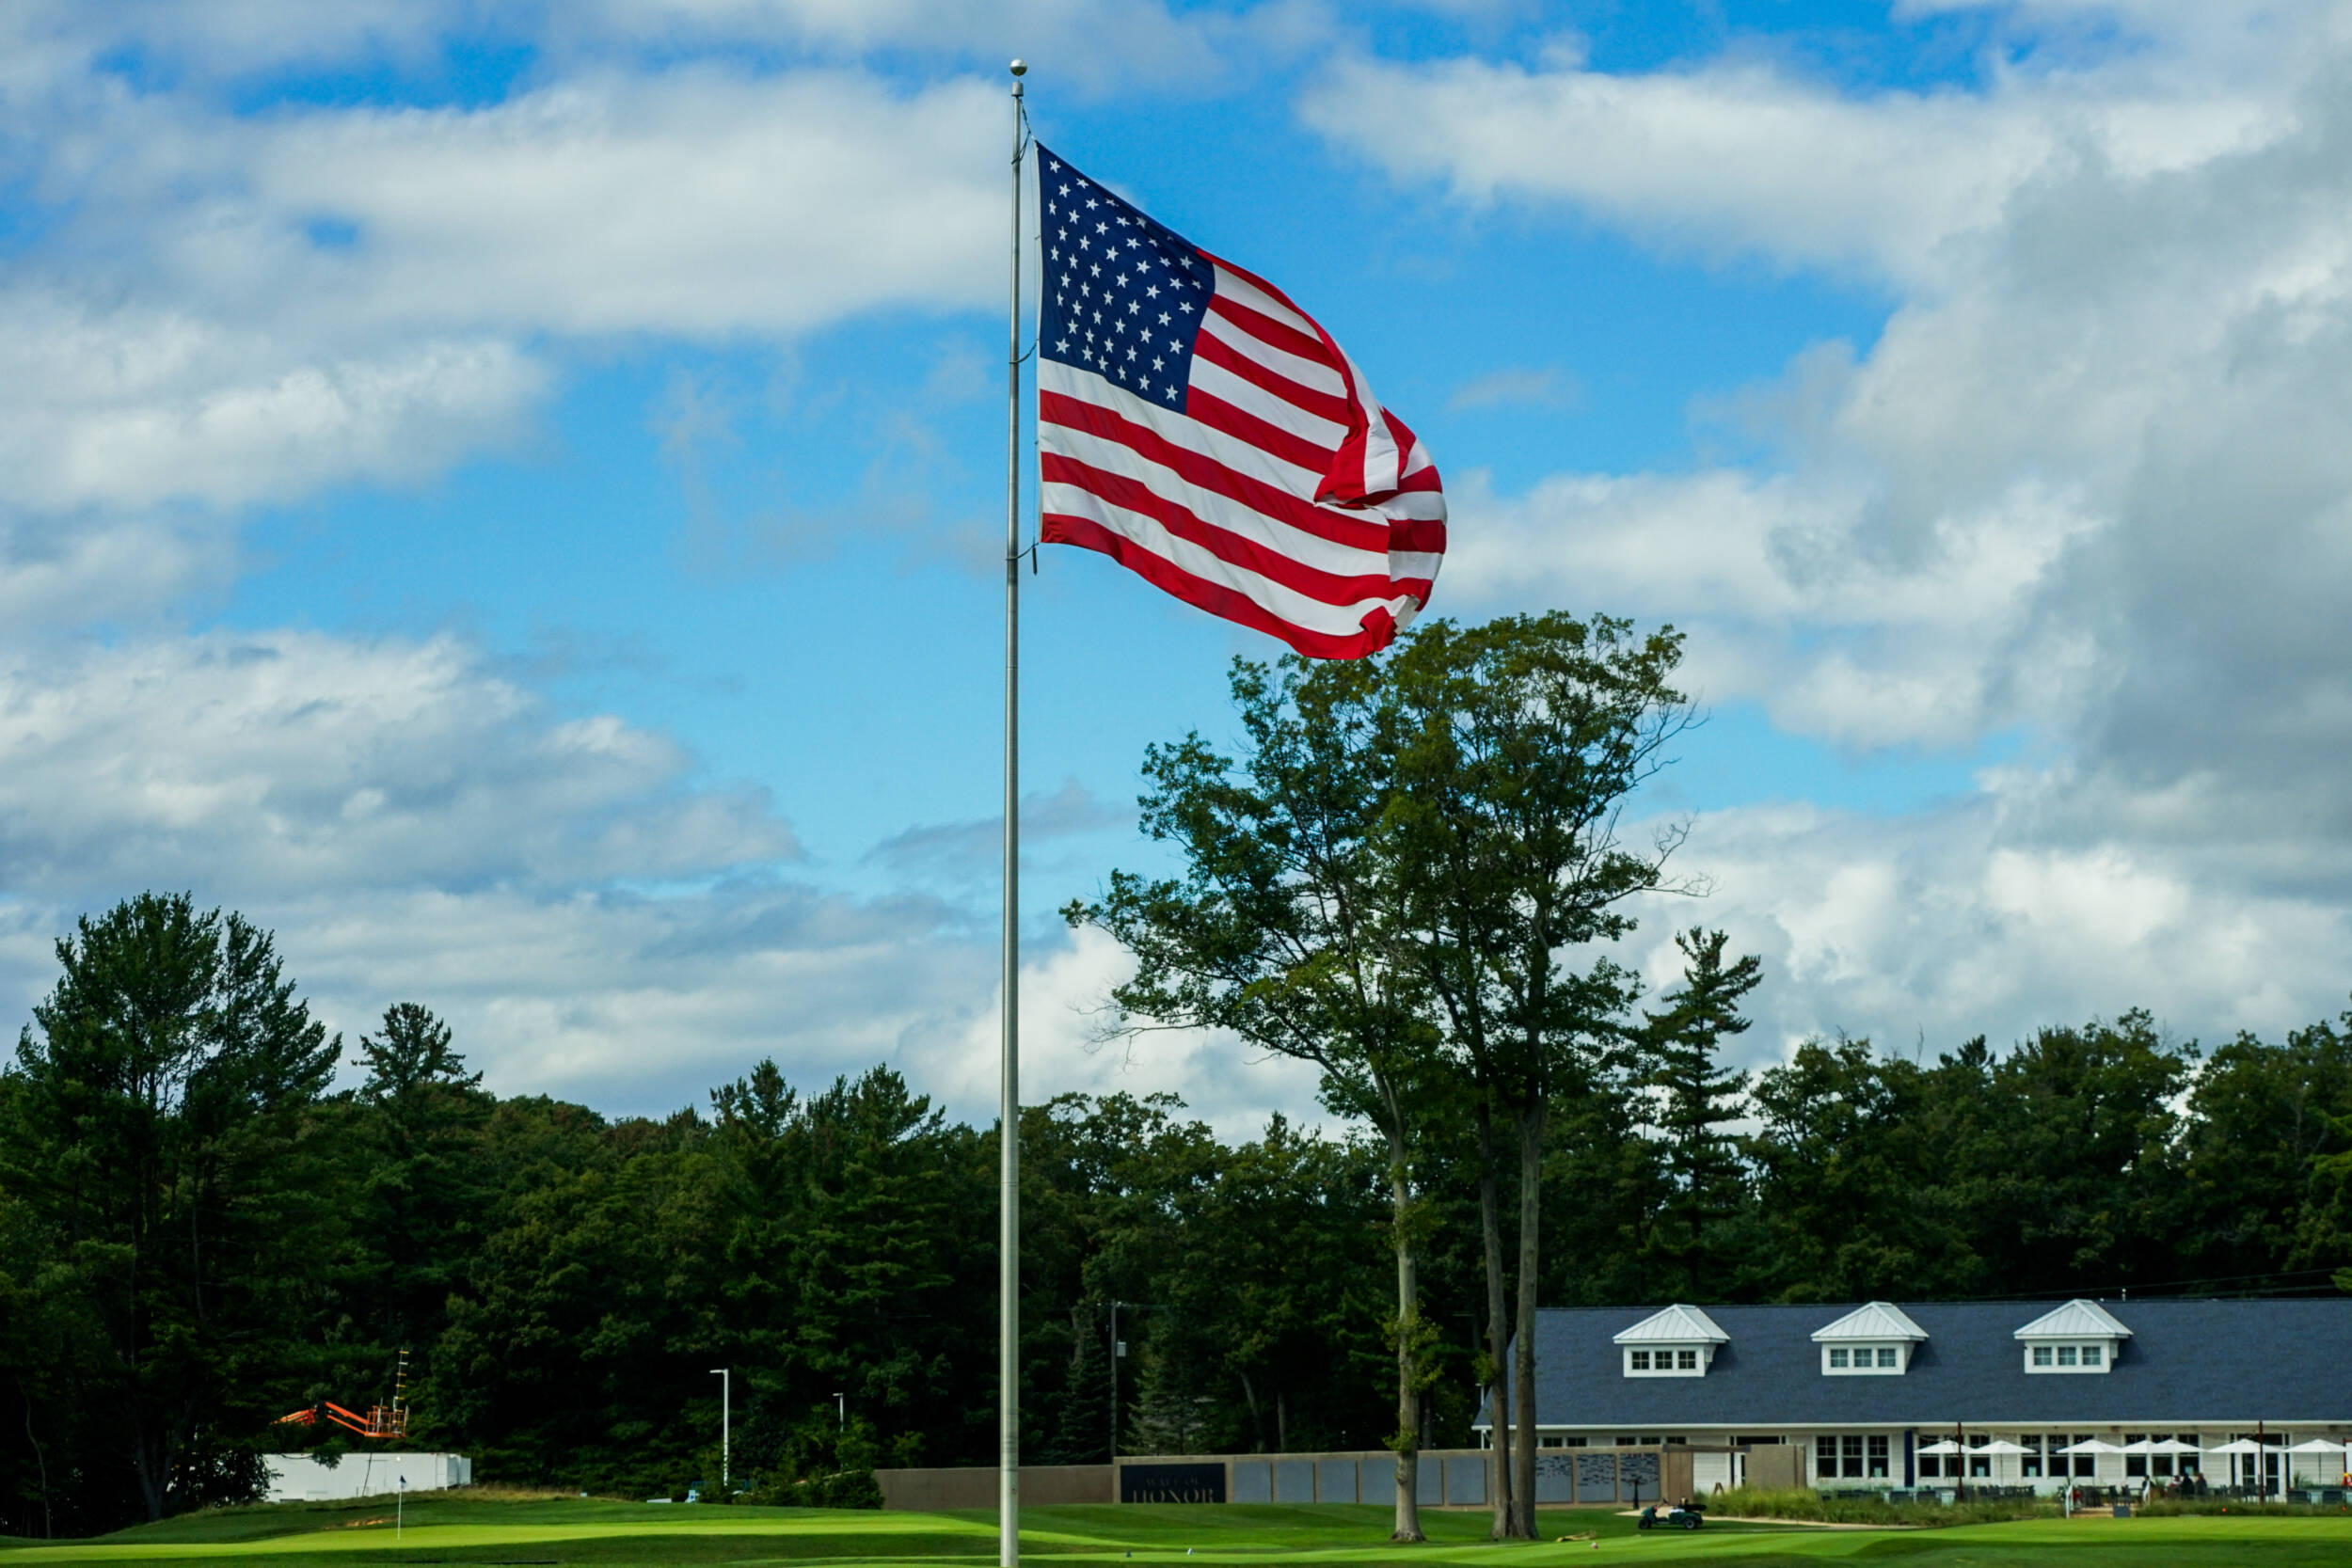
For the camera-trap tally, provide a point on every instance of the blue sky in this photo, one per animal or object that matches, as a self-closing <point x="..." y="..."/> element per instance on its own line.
<point x="510" y="494"/>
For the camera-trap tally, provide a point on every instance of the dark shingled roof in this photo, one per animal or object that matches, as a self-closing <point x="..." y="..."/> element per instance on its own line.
<point x="2188" y="1364"/>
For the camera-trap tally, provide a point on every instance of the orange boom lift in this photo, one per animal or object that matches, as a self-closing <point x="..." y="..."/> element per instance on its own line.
<point x="384" y="1423"/>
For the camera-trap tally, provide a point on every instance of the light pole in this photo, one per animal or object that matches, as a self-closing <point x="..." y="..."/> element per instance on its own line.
<point x="1118" y="1349"/>
<point x="841" y="1413"/>
<point x="726" y="1418"/>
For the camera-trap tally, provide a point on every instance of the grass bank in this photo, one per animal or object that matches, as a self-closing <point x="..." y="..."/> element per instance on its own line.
<point x="560" y="1531"/>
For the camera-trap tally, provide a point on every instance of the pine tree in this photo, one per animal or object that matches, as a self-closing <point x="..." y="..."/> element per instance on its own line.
<point x="1170" y="1417"/>
<point x="1080" y="1425"/>
<point x="1694" y="1097"/>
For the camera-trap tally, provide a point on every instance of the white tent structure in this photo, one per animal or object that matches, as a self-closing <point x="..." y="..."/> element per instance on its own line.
<point x="2328" y="1460"/>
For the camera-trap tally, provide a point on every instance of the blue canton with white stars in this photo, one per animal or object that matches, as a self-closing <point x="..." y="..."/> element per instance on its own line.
<point x="1123" y="295"/>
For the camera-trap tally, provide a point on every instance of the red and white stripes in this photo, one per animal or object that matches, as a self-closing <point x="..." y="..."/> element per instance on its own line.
<point x="1279" y="493"/>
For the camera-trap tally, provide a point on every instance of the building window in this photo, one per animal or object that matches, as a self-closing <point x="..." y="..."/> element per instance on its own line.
<point x="1930" y="1466"/>
<point x="1825" y="1459"/>
<point x="1886" y="1358"/>
<point x="1852" y="1445"/>
<point x="2030" y="1462"/>
<point x="2066" y="1355"/>
<point x="1980" y="1464"/>
<point x="2085" y="1464"/>
<point x="1686" y="1361"/>
<point x="2189" y="1461"/>
<point x="2090" y="1356"/>
<point x="1628" y="1441"/>
<point x="1878" y="1458"/>
<point x="1838" y="1359"/>
<point x="1641" y="1360"/>
<point x="2135" y="1465"/>
<point x="2041" y="1356"/>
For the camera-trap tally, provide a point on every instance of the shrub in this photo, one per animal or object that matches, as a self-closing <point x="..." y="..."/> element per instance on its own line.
<point x="1805" y="1503"/>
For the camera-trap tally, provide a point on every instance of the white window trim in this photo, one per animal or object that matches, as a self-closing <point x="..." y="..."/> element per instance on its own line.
<point x="2056" y="1349"/>
<point x="1870" y="1348"/>
<point x="1700" y="1355"/>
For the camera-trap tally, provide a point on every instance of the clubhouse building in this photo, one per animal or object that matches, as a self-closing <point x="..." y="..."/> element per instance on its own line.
<point x="2141" y="1391"/>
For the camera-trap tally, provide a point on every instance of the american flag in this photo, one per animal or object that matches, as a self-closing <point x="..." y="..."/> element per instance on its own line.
<point x="1196" y="426"/>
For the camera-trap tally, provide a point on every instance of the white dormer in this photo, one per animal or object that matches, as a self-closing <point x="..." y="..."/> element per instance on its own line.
<point x="1678" y="1342"/>
<point x="1874" y="1339"/>
<point x="2079" y="1337"/>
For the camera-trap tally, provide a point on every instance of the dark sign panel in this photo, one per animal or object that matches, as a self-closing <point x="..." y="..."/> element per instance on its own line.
<point x="1172" y="1483"/>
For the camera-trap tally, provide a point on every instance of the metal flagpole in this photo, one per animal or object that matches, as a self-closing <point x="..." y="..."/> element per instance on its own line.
<point x="1009" y="1113"/>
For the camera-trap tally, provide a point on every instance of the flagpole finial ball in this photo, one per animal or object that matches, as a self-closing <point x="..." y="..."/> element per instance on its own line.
<point x="1019" y="68"/>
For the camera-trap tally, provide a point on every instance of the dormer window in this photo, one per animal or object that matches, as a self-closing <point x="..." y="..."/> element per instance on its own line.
<point x="1875" y="1339"/>
<point x="2079" y="1337"/>
<point x="1679" y="1341"/>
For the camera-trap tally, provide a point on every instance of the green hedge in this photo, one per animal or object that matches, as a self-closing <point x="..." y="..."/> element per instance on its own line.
<point x="1805" y="1503"/>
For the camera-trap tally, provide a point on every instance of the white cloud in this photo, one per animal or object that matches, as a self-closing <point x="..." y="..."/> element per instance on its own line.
<point x="269" y="764"/>
<point x="1934" y="927"/>
<point x="1222" y="1081"/>
<point x="128" y="408"/>
<point x="1547" y="387"/>
<point x="1733" y="156"/>
<point x="2090" y="486"/>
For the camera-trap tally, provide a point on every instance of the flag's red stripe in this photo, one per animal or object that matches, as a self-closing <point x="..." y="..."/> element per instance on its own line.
<point x="1323" y="405"/>
<point x="1312" y="582"/>
<point x="1205" y="407"/>
<point x="1270" y="332"/>
<point x="1058" y="528"/>
<point x="1419" y="535"/>
<point x="1355" y="530"/>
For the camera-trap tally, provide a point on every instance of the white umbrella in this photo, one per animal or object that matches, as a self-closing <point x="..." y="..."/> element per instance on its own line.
<point x="2172" y="1445"/>
<point x="2241" y="1445"/>
<point x="2091" y="1445"/>
<point x="1938" y="1449"/>
<point x="2317" y="1444"/>
<point x="2000" y="1444"/>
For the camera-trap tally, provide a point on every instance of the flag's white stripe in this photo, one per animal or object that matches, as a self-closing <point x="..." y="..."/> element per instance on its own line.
<point x="1381" y="458"/>
<point x="1243" y="292"/>
<point x="1312" y="374"/>
<point x="1166" y="422"/>
<point x="1418" y="505"/>
<point x="1212" y="506"/>
<point x="1215" y="446"/>
<point x="1286" y="603"/>
<point x="1280" y="413"/>
<point x="1415" y="565"/>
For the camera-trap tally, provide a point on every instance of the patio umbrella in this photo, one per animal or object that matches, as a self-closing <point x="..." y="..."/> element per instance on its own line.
<point x="2172" y="1445"/>
<point x="2000" y="1444"/>
<point x="2240" y="1444"/>
<point x="2317" y="1444"/>
<point x="2091" y="1445"/>
<point x="1939" y="1449"/>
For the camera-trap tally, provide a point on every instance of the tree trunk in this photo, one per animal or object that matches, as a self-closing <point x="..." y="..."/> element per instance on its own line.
<point x="1408" y="1439"/>
<point x="48" y="1523"/>
<point x="1498" y="1386"/>
<point x="1531" y="1129"/>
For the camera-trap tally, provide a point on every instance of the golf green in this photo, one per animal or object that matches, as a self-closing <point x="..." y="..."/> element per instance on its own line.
<point x="564" y="1531"/>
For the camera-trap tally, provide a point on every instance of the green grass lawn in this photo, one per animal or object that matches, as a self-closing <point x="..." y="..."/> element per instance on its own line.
<point x="463" y="1529"/>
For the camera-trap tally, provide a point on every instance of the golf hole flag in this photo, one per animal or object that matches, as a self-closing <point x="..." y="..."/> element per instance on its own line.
<point x="1199" y="428"/>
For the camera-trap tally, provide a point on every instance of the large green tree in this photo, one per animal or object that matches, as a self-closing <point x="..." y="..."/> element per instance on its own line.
<point x="1281" y="928"/>
<point x="162" y="1138"/>
<point x="1516" y="747"/>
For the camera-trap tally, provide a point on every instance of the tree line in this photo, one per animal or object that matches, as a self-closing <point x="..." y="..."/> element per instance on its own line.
<point x="1410" y="872"/>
